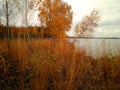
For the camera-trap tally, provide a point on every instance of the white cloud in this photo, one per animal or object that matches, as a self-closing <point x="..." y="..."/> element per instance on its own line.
<point x="109" y="11"/>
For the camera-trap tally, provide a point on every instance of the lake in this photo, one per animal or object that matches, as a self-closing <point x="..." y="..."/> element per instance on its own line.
<point x="98" y="47"/>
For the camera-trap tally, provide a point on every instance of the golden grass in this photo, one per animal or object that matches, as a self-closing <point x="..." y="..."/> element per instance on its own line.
<point x="47" y="64"/>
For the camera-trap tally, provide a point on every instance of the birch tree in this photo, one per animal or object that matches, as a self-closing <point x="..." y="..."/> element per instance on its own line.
<point x="8" y="11"/>
<point x="56" y="17"/>
<point x="25" y="6"/>
<point x="86" y="26"/>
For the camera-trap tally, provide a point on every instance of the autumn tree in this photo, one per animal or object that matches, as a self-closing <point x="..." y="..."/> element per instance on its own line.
<point x="25" y="7"/>
<point x="55" y="17"/>
<point x="86" y="26"/>
<point x="0" y="20"/>
<point x="7" y="13"/>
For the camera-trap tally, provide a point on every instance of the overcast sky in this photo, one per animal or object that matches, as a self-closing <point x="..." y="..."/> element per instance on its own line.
<point x="109" y="24"/>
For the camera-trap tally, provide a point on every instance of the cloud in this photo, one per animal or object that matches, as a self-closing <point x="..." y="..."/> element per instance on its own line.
<point x="108" y="30"/>
<point x="109" y="24"/>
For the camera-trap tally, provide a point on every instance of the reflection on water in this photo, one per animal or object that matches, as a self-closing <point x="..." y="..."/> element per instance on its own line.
<point x="99" y="47"/>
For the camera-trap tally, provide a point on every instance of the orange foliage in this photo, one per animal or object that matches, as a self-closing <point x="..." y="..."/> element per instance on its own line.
<point x="46" y="64"/>
<point x="21" y="31"/>
<point x="87" y="25"/>
<point x="56" y="17"/>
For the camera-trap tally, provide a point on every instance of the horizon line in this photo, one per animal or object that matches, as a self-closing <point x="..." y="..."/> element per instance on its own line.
<point x="96" y="37"/>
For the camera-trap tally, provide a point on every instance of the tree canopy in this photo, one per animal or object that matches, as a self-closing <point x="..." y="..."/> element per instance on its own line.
<point x="55" y="17"/>
<point x="87" y="25"/>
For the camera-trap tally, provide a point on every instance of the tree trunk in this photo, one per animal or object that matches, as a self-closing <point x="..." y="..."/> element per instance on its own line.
<point x="7" y="20"/>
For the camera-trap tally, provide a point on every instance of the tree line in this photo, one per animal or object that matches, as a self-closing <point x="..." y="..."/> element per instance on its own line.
<point x="22" y="32"/>
<point x="55" y="17"/>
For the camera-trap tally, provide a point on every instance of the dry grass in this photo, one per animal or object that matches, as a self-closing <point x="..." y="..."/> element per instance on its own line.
<point x="46" y="64"/>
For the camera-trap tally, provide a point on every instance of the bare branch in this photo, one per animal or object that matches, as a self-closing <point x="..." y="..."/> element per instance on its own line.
<point x="87" y="25"/>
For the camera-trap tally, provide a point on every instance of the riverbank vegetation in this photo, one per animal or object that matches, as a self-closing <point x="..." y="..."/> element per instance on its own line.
<point x="46" y="64"/>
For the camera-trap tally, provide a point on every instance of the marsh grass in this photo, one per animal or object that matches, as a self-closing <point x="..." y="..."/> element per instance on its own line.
<point x="55" y="64"/>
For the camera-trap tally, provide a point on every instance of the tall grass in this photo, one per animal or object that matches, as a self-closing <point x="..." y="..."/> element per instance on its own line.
<point x="47" y="64"/>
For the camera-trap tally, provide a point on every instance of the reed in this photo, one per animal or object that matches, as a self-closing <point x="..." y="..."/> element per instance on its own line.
<point x="55" y="64"/>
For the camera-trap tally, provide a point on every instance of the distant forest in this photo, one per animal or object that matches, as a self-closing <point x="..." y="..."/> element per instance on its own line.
<point x="23" y="32"/>
<point x="55" y="19"/>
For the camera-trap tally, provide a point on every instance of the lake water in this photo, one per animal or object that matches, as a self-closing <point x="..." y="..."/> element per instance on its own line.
<point x="98" y="47"/>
